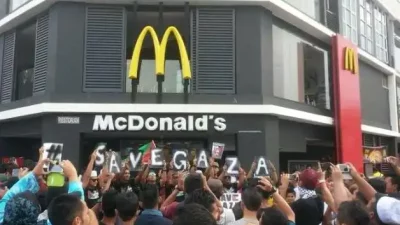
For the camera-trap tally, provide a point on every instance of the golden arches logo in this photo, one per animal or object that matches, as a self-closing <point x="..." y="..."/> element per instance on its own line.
<point x="159" y="52"/>
<point x="350" y="60"/>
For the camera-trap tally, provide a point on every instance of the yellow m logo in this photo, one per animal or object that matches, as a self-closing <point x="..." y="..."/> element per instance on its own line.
<point x="159" y="52"/>
<point x="350" y="60"/>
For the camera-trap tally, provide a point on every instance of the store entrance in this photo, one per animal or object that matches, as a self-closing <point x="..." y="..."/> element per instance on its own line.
<point x="118" y="144"/>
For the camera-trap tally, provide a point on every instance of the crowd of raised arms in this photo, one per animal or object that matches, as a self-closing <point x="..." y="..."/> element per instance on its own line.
<point x="198" y="197"/>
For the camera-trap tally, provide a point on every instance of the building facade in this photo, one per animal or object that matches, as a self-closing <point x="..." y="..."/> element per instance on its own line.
<point x="264" y="79"/>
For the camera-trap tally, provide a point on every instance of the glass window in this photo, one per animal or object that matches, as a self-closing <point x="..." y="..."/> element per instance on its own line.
<point x="173" y="82"/>
<point x="349" y="20"/>
<point x="15" y="4"/>
<point x="24" y="61"/>
<point x="309" y="7"/>
<point x="398" y="103"/>
<point x="300" y="70"/>
<point x="385" y="82"/>
<point x="381" y="42"/>
<point x="366" y="37"/>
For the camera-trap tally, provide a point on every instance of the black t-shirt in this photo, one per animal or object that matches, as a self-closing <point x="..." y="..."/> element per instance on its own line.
<point x="127" y="186"/>
<point x="92" y="196"/>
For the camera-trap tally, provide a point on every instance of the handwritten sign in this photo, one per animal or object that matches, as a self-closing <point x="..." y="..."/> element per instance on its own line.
<point x="217" y="150"/>
<point x="202" y="159"/>
<point x="232" y="164"/>
<point x="100" y="149"/>
<point x="52" y="151"/>
<point x="262" y="167"/>
<point x="179" y="160"/>
<point x="229" y="200"/>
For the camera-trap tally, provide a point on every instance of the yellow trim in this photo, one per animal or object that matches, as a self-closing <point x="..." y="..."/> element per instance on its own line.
<point x="350" y="60"/>
<point x="159" y="52"/>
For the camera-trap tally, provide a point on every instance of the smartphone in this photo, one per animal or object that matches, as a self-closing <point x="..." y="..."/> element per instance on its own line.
<point x="15" y="172"/>
<point x="325" y="166"/>
<point x="344" y="168"/>
<point x="293" y="176"/>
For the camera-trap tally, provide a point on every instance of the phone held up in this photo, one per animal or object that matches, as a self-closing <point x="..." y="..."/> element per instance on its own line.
<point x="345" y="169"/>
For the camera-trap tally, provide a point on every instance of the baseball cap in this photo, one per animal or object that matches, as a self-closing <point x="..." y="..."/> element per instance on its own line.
<point x="93" y="174"/>
<point x="309" y="179"/>
<point x="387" y="209"/>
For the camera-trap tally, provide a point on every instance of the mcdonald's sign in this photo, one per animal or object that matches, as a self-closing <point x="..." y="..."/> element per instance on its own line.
<point x="350" y="60"/>
<point x="159" y="53"/>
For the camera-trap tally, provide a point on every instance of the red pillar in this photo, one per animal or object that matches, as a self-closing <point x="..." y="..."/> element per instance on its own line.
<point x="347" y="103"/>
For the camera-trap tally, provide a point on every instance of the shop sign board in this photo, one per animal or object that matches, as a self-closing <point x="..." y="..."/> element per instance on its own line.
<point x="169" y="123"/>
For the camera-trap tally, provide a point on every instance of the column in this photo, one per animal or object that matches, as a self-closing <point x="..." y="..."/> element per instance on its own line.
<point x="67" y="134"/>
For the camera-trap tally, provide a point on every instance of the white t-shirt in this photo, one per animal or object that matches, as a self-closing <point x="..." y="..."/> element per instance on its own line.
<point x="226" y="217"/>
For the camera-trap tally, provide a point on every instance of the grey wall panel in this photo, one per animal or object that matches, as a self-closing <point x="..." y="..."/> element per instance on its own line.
<point x="3" y="8"/>
<point x="21" y="128"/>
<point x="66" y="48"/>
<point x="41" y="54"/>
<point x="68" y="135"/>
<point x="7" y="78"/>
<point x="1" y="59"/>
<point x="294" y="136"/>
<point x="104" y="49"/>
<point x="374" y="97"/>
<point x="213" y="50"/>
<point x="254" y="51"/>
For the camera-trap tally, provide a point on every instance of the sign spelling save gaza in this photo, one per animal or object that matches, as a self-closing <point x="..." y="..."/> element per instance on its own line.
<point x="147" y="154"/>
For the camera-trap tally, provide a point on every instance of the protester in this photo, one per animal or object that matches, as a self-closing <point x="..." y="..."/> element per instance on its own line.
<point x="165" y="194"/>
<point x="150" y="204"/>
<point x="194" y="214"/>
<point x="108" y="208"/>
<point x="127" y="207"/>
<point x="217" y="188"/>
<point x="251" y="203"/>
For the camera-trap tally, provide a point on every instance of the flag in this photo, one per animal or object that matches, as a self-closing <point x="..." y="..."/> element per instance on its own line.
<point x="146" y="151"/>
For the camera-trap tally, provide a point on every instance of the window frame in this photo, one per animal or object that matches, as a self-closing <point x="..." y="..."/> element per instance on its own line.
<point x="353" y="10"/>
<point x="381" y="32"/>
<point x="365" y="10"/>
<point x="10" y="4"/>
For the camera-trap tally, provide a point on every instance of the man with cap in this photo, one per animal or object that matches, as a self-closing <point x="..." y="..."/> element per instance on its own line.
<point x="385" y="209"/>
<point x="92" y="190"/>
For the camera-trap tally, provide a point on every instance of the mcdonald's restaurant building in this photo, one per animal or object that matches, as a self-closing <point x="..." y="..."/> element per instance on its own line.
<point x="124" y="74"/>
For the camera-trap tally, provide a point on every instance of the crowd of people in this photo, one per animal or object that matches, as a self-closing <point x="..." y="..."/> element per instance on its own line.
<point x="163" y="197"/>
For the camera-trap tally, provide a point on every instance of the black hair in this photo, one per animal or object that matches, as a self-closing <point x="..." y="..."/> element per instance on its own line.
<point x="290" y="191"/>
<point x="193" y="214"/>
<point x="272" y="216"/>
<point x="202" y="197"/>
<point x="64" y="209"/>
<point x="29" y="163"/>
<point x="108" y="203"/>
<point x="193" y="182"/>
<point x="360" y="197"/>
<point x="149" y="196"/>
<point x="353" y="213"/>
<point x="251" y="199"/>
<point x="127" y="205"/>
<point x="395" y="181"/>
<point x="53" y="192"/>
<point x="378" y="184"/>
